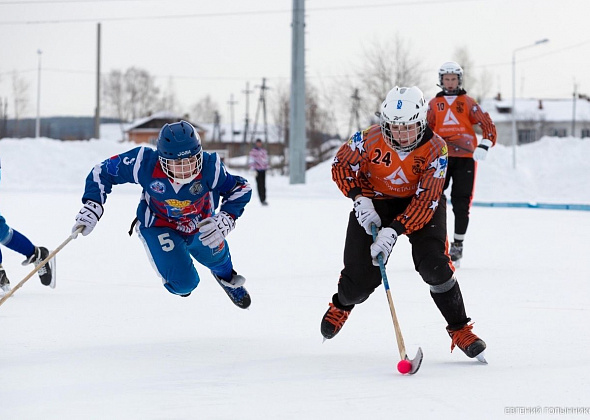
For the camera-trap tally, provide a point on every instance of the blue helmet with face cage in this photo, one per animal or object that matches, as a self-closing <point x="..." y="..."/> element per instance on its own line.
<point x="178" y="142"/>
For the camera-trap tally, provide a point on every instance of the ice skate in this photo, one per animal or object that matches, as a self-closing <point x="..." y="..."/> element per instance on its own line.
<point x="469" y="343"/>
<point x="47" y="272"/>
<point x="456" y="253"/>
<point x="4" y="283"/>
<point x="333" y="321"/>
<point x="235" y="290"/>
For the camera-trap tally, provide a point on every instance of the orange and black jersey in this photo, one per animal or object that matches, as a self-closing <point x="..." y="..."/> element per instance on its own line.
<point x="367" y="165"/>
<point x="452" y="117"/>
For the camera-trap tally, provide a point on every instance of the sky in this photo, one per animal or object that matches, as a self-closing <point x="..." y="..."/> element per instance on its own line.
<point x="205" y="48"/>
<point x="109" y="342"/>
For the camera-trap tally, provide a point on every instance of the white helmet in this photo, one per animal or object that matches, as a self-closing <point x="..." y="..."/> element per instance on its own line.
<point x="403" y="106"/>
<point x="450" y="67"/>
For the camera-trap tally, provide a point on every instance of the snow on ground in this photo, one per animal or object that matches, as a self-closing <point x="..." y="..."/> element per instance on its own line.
<point x="110" y="343"/>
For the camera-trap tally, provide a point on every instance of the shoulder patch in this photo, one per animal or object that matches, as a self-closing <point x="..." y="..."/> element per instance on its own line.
<point x="112" y="165"/>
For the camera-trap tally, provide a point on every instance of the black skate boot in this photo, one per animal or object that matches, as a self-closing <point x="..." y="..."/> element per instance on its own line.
<point x="456" y="252"/>
<point x="4" y="283"/>
<point x="469" y="343"/>
<point x="334" y="318"/>
<point x="235" y="290"/>
<point x="46" y="273"/>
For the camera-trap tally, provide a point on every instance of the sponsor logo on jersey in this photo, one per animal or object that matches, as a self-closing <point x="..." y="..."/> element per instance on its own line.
<point x="398" y="177"/>
<point x="112" y="165"/>
<point x="128" y="161"/>
<point x="158" y="187"/>
<point x="450" y="119"/>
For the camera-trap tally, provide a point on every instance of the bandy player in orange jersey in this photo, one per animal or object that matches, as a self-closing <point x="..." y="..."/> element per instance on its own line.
<point x="452" y="115"/>
<point x="394" y="172"/>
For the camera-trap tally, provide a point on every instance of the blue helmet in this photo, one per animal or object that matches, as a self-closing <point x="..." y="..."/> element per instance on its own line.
<point x="179" y="145"/>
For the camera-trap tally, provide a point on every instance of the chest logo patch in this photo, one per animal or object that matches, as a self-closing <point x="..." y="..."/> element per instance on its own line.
<point x="450" y="119"/>
<point x="398" y="177"/>
<point x="158" y="187"/>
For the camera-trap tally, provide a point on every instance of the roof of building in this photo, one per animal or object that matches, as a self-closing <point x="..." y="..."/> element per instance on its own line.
<point x="156" y="120"/>
<point x="554" y="110"/>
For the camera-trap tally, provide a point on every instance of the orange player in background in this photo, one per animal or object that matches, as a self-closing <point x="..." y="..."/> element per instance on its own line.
<point x="452" y="115"/>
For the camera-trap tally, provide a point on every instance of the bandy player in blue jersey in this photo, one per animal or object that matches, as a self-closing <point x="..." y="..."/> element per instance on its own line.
<point x="176" y="217"/>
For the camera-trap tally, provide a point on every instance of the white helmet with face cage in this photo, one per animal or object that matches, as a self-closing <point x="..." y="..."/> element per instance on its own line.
<point x="403" y="106"/>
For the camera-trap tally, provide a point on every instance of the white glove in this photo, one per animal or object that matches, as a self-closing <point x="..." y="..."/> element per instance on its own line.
<point x="365" y="214"/>
<point x="386" y="239"/>
<point x="481" y="150"/>
<point x="214" y="229"/>
<point x="88" y="216"/>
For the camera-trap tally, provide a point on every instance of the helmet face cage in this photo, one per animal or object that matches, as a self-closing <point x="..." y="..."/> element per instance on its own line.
<point x="450" y="67"/>
<point x="182" y="170"/>
<point x="403" y="118"/>
<point x="180" y="152"/>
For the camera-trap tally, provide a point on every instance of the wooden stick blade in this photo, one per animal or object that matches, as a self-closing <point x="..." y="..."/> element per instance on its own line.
<point x="416" y="361"/>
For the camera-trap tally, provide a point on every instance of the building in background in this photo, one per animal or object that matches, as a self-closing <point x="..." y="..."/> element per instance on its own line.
<point x="536" y="118"/>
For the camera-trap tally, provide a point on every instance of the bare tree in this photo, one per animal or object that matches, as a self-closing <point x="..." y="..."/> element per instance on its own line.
<point x="131" y="94"/>
<point x="141" y="92"/>
<point x="112" y="86"/>
<point x="204" y="110"/>
<point x="168" y="100"/>
<point x="20" y="96"/>
<point x="279" y="109"/>
<point x="463" y="58"/>
<point x="477" y="84"/>
<point x="3" y="117"/>
<point x="386" y="65"/>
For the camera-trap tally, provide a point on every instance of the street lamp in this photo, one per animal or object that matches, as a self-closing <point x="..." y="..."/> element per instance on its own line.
<point x="542" y="41"/>
<point x="38" y="122"/>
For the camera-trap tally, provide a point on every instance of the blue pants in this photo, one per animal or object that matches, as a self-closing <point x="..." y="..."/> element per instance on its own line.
<point x="14" y="240"/>
<point x="170" y="253"/>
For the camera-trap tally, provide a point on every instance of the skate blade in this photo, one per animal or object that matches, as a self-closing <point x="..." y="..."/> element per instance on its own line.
<point x="481" y="357"/>
<point x="53" y="266"/>
<point x="416" y="361"/>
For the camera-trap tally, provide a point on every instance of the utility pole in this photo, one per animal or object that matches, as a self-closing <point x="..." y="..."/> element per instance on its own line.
<point x="574" y="111"/>
<point x="231" y="103"/>
<point x="354" y="112"/>
<point x="38" y="120"/>
<point x="261" y="104"/>
<point x="216" y="126"/>
<point x="97" y="108"/>
<point x="297" y="138"/>
<point x="247" y="120"/>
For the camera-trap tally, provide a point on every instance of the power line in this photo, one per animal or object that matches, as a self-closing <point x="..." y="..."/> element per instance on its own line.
<point x="26" y="2"/>
<point x="220" y="14"/>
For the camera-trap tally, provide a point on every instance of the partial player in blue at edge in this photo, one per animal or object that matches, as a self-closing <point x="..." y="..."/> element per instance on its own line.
<point x="13" y="239"/>
<point x="176" y="216"/>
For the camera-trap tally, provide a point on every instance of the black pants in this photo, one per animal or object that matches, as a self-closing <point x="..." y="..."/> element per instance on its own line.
<point x="359" y="277"/>
<point x="462" y="172"/>
<point x="261" y="185"/>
